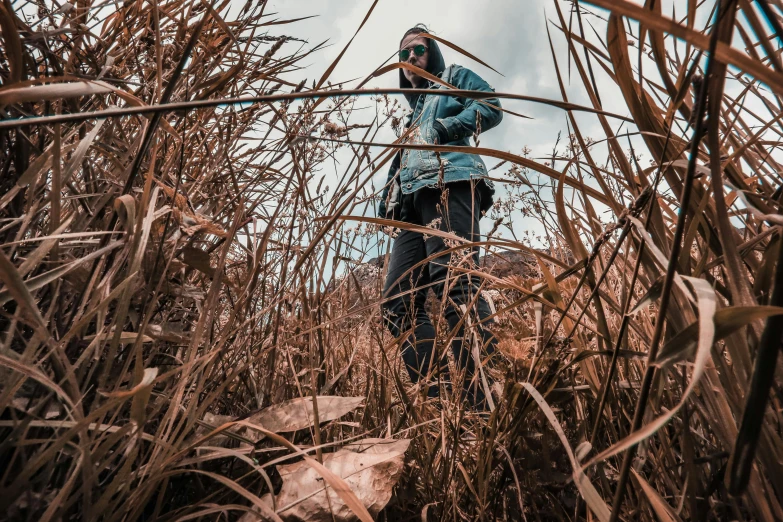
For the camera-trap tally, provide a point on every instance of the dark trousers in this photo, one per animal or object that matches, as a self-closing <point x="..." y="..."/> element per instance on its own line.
<point x="453" y="209"/>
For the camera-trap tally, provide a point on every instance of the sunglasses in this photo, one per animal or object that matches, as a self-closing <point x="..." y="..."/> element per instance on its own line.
<point x="418" y="50"/>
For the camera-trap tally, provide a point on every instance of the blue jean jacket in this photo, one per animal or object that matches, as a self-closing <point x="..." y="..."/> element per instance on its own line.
<point x="460" y="118"/>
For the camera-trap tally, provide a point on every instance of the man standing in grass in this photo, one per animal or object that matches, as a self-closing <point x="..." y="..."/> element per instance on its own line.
<point x="447" y="191"/>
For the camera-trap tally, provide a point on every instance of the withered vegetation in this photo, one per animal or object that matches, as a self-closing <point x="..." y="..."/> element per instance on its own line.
<point x="186" y="304"/>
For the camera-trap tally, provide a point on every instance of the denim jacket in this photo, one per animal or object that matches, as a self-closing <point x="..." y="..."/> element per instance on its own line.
<point x="460" y="118"/>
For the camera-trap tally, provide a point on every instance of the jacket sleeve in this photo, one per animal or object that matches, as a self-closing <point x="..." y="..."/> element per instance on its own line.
<point x="385" y="193"/>
<point x="463" y="124"/>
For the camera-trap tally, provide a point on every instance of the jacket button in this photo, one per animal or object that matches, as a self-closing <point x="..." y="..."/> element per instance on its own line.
<point x="409" y="185"/>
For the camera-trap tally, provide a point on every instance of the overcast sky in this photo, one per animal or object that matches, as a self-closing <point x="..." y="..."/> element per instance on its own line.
<point x="510" y="35"/>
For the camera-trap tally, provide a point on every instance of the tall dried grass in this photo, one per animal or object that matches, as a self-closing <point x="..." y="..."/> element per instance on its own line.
<point x="171" y="266"/>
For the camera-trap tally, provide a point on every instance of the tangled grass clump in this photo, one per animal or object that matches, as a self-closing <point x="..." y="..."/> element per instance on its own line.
<point x="173" y="263"/>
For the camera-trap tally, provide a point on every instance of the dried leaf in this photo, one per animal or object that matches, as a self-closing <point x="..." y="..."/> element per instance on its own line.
<point x="727" y="321"/>
<point x="662" y="509"/>
<point x="54" y="91"/>
<point x="198" y="259"/>
<point x="371" y="467"/>
<point x="297" y="414"/>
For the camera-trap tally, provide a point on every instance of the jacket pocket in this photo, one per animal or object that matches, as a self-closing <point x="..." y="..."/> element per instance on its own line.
<point x="419" y="161"/>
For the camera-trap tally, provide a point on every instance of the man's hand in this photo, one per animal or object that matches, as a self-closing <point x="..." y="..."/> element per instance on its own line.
<point x="443" y="134"/>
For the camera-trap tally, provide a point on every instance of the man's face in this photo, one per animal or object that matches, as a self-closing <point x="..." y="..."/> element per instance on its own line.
<point x="411" y="41"/>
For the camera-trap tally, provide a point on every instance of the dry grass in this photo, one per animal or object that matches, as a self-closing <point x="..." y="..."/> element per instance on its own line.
<point x="163" y="268"/>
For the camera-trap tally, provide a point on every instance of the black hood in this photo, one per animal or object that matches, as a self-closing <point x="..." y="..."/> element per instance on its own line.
<point x="435" y="66"/>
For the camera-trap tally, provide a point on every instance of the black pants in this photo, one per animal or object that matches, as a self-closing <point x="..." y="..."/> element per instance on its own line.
<point x="454" y="209"/>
